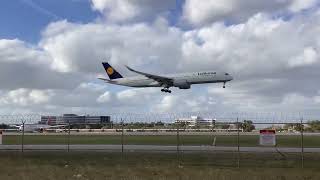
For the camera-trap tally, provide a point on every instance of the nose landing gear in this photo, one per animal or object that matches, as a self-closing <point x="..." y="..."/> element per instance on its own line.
<point x="166" y="90"/>
<point x="224" y="85"/>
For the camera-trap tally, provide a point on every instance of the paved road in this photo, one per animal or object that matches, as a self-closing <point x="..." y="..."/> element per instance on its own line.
<point x="150" y="148"/>
<point x="152" y="133"/>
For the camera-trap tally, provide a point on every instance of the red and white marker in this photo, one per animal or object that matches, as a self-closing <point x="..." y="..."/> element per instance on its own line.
<point x="0" y="137"/>
<point x="267" y="137"/>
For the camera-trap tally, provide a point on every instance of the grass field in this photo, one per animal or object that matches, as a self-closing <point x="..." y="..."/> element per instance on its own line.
<point x="222" y="166"/>
<point x="221" y="140"/>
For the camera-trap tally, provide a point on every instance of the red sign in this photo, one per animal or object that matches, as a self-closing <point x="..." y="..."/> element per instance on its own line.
<point x="267" y="131"/>
<point x="267" y="137"/>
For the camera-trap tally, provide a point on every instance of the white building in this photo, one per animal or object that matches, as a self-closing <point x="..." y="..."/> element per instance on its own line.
<point x="74" y="119"/>
<point x="195" y="120"/>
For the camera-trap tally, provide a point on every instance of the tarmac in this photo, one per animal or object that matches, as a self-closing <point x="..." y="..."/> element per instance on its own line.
<point x="154" y="148"/>
<point x="152" y="133"/>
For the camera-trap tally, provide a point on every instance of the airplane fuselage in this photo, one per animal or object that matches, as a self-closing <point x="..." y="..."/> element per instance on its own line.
<point x="182" y="81"/>
<point x="32" y="127"/>
<point x="36" y="127"/>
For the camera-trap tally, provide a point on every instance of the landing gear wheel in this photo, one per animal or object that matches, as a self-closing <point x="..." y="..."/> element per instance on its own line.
<point x="165" y="90"/>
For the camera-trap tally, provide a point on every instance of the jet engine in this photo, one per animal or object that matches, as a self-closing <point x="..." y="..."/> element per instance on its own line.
<point x="181" y="84"/>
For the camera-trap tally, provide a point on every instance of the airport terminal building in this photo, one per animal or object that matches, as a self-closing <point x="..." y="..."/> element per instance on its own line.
<point x="74" y="119"/>
<point x="195" y="121"/>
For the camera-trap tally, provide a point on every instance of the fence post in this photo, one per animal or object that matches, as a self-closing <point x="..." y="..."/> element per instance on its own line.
<point x="122" y="134"/>
<point x="68" y="136"/>
<point x="22" y="140"/>
<point x="178" y="144"/>
<point x="213" y="124"/>
<point x="0" y="137"/>
<point x="302" y="142"/>
<point x="238" y="142"/>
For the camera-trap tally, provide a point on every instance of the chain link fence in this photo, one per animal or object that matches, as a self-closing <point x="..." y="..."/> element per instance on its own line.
<point x="224" y="139"/>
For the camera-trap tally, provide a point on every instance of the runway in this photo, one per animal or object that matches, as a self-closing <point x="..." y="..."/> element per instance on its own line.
<point x="153" y="148"/>
<point x="152" y="133"/>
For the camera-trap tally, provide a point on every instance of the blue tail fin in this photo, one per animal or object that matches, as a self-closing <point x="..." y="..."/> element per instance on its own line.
<point x="112" y="73"/>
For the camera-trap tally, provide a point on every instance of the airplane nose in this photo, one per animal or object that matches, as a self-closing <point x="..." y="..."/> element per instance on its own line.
<point x="228" y="77"/>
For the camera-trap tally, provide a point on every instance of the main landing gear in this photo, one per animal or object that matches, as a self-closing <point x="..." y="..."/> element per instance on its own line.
<point x="166" y="90"/>
<point x="224" y="85"/>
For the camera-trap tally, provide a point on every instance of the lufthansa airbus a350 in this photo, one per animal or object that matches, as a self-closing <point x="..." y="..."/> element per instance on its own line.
<point x="181" y="81"/>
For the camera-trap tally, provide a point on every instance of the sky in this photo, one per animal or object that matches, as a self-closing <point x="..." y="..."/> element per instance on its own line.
<point x="51" y="53"/>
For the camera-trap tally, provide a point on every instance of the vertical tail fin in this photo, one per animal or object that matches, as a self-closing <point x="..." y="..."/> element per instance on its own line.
<point x="112" y="73"/>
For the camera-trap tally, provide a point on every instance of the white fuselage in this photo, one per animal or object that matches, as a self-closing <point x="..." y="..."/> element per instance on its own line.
<point x="37" y="127"/>
<point x="183" y="80"/>
<point x="32" y="127"/>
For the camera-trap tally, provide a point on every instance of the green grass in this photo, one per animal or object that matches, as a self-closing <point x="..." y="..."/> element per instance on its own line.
<point x="95" y="165"/>
<point x="221" y="140"/>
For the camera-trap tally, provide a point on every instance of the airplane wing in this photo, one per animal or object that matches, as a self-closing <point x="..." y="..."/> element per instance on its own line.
<point x="54" y="126"/>
<point x="16" y="126"/>
<point x="60" y="125"/>
<point x="161" y="79"/>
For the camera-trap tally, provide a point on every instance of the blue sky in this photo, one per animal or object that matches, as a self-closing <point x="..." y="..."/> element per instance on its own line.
<point x="270" y="47"/>
<point x="24" y="19"/>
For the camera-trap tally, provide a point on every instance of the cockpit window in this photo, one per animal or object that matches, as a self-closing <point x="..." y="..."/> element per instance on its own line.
<point x="227" y="74"/>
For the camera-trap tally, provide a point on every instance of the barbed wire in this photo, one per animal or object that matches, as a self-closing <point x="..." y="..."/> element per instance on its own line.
<point x="170" y="117"/>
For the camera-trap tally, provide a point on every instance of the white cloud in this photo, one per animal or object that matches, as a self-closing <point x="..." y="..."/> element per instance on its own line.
<point x="128" y="10"/>
<point x="167" y="104"/>
<point x="298" y="102"/>
<point x="298" y="5"/>
<point x="317" y="99"/>
<point x="262" y="45"/>
<point x="120" y="10"/>
<point x="188" y="101"/>
<point x="308" y="57"/>
<point x="258" y="45"/>
<point x="25" y="97"/>
<point x="105" y="97"/>
<point x="294" y="99"/>
<point x="15" y="50"/>
<point x="206" y="12"/>
<point x="275" y="62"/>
<point x="39" y="96"/>
<point x="198" y="12"/>
<point x="83" y="48"/>
<point x="24" y="65"/>
<point x="138" y="96"/>
<point x="127" y="94"/>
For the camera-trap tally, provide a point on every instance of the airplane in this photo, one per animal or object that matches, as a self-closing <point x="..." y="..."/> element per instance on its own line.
<point x="37" y="127"/>
<point x="181" y="81"/>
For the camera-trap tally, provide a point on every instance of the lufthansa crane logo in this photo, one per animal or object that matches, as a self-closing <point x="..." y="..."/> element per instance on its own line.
<point x="110" y="71"/>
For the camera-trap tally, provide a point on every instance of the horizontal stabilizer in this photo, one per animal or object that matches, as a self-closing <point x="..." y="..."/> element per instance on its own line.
<point x="107" y="80"/>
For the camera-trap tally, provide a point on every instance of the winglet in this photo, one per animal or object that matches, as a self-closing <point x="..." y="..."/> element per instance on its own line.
<point x="130" y="68"/>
